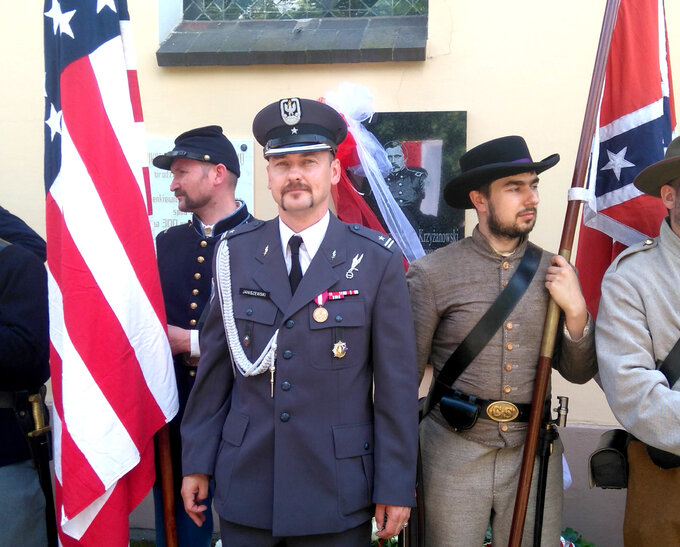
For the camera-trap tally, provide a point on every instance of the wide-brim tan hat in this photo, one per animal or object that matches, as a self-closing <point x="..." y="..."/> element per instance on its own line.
<point x="651" y="179"/>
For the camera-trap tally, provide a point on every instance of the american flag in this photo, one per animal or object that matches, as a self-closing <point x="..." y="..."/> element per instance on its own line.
<point x="112" y="375"/>
<point x="636" y="124"/>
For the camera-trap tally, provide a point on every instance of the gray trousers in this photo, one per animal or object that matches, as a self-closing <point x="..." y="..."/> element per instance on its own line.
<point x="469" y="486"/>
<point x="22" y="507"/>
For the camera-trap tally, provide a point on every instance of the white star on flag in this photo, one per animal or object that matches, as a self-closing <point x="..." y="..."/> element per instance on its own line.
<point x="54" y="121"/>
<point x="294" y="131"/>
<point x="101" y="4"/>
<point x="617" y="162"/>
<point x="60" y="21"/>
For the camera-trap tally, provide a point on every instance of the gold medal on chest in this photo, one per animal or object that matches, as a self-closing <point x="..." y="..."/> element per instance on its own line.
<point x="320" y="314"/>
<point x="339" y="349"/>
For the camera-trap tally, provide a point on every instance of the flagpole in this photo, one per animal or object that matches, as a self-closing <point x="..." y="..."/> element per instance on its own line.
<point x="167" y="487"/>
<point x="566" y="244"/>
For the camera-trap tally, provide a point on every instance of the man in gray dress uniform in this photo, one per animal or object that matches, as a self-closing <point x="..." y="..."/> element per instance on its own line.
<point x="470" y="477"/>
<point x="304" y="408"/>
<point x="638" y="323"/>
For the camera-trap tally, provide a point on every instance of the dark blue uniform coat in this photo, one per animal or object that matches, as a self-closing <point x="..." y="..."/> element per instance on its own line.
<point x="24" y="339"/>
<point x="314" y="457"/>
<point x="185" y="267"/>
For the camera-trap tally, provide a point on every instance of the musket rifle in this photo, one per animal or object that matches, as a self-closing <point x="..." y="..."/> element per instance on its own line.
<point x="566" y="244"/>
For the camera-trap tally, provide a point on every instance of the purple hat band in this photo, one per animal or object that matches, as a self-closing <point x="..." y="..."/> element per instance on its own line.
<point x="522" y="160"/>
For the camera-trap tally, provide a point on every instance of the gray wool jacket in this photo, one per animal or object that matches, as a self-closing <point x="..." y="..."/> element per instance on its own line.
<point x="451" y="289"/>
<point x="637" y="325"/>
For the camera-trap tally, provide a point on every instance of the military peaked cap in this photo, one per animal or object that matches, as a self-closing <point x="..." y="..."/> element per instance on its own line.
<point x="206" y="144"/>
<point x="297" y="125"/>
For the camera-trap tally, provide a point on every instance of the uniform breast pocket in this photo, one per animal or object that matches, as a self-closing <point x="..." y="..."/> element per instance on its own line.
<point x="254" y="317"/>
<point x="341" y="339"/>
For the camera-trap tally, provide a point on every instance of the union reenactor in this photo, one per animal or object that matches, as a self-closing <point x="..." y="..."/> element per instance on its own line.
<point x="638" y="328"/>
<point x="305" y="404"/>
<point x="472" y="438"/>
<point x="205" y="169"/>
<point x="26" y="504"/>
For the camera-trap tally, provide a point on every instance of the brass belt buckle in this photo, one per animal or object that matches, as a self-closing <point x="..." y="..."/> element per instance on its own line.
<point x="502" y="411"/>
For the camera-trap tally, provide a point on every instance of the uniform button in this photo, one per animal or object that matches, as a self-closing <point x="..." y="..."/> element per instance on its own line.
<point x="509" y="325"/>
<point x="287" y="354"/>
<point x="507" y="389"/>
<point x="194" y="292"/>
<point x="193" y="305"/>
<point x="200" y="260"/>
<point x="338" y="318"/>
<point x="356" y="227"/>
<point x="197" y="275"/>
<point x="367" y="445"/>
<point x="290" y="323"/>
<point x="285" y="386"/>
<point x="506" y="265"/>
<point x="504" y="283"/>
<point x="504" y="428"/>
<point x="649" y="241"/>
<point x="508" y="367"/>
<point x="285" y="416"/>
<point x="249" y="311"/>
<point x="192" y="373"/>
<point x="192" y="322"/>
<point x="509" y="346"/>
<point x="400" y="192"/>
<point x="204" y="243"/>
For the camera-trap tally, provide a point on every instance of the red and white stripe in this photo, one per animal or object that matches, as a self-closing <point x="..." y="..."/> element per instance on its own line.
<point x="112" y="375"/>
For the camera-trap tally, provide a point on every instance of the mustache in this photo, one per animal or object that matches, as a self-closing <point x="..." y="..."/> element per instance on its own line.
<point x="295" y="186"/>
<point x="528" y="210"/>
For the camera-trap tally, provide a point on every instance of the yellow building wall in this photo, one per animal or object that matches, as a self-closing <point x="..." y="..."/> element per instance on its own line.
<point x="521" y="67"/>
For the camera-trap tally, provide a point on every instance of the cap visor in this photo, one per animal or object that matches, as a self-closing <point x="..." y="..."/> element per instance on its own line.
<point x="296" y="149"/>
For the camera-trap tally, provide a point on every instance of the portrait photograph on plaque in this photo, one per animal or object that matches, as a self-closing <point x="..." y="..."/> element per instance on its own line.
<point x="423" y="149"/>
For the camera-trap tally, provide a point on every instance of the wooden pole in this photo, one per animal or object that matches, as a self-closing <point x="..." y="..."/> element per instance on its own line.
<point x="167" y="488"/>
<point x="566" y="244"/>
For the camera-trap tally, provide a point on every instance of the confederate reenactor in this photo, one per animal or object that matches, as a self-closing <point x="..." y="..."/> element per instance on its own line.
<point x="638" y="328"/>
<point x="305" y="404"/>
<point x="205" y="169"/>
<point x="472" y="438"/>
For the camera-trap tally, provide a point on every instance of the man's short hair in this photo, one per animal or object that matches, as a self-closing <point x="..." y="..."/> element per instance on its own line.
<point x="392" y="144"/>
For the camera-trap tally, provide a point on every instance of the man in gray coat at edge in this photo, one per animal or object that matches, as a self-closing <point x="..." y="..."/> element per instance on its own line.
<point x="305" y="403"/>
<point x="638" y="323"/>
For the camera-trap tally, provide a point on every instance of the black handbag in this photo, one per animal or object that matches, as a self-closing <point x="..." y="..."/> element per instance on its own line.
<point x="608" y="464"/>
<point x="459" y="410"/>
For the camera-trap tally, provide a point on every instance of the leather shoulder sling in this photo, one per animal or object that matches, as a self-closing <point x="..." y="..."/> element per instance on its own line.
<point x="487" y="326"/>
<point x="670" y="368"/>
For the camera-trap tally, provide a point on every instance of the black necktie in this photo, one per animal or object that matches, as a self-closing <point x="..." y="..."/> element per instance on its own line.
<point x="295" y="274"/>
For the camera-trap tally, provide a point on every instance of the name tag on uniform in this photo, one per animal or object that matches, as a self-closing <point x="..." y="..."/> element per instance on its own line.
<point x="254" y="292"/>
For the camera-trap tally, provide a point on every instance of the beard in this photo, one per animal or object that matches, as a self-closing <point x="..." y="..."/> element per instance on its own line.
<point x="189" y="205"/>
<point x="507" y="230"/>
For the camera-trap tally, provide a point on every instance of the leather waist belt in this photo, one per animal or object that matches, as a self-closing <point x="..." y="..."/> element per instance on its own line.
<point x="505" y="411"/>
